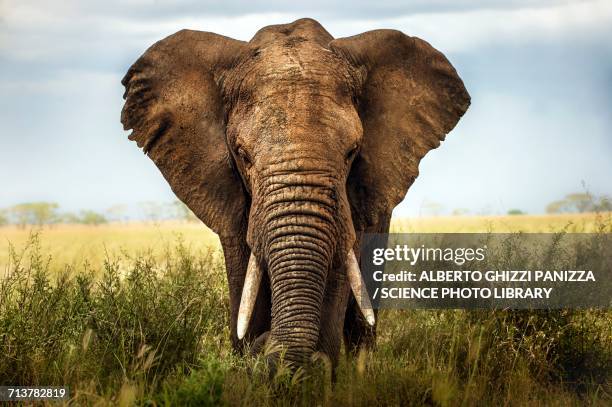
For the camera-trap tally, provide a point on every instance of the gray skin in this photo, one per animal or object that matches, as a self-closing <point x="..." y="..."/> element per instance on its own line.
<point x="292" y="146"/>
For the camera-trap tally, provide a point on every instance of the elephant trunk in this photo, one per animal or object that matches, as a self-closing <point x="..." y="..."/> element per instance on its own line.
<point x="300" y="236"/>
<point x="297" y="278"/>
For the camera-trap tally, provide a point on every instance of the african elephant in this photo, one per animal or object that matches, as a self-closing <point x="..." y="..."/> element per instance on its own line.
<point x="290" y="147"/>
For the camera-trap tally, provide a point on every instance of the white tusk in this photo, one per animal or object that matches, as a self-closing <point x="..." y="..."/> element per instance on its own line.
<point x="250" y="288"/>
<point x="359" y="288"/>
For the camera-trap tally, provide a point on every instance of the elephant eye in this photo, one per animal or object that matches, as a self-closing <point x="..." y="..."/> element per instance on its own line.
<point x="244" y="156"/>
<point x="352" y="153"/>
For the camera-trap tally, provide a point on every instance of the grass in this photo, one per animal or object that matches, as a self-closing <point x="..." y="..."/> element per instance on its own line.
<point x="74" y="244"/>
<point x="577" y="223"/>
<point x="146" y="322"/>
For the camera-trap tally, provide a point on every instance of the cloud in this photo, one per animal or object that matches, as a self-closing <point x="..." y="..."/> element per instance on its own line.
<point x="460" y="31"/>
<point x="151" y="10"/>
<point x="538" y="72"/>
<point x="41" y="39"/>
<point x="41" y="29"/>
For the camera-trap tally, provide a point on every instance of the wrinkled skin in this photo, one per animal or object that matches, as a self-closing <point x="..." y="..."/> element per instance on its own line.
<point x="292" y="146"/>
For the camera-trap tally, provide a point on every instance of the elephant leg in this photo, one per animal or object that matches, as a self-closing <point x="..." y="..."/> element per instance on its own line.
<point x="332" y="318"/>
<point x="236" y="253"/>
<point x="357" y="332"/>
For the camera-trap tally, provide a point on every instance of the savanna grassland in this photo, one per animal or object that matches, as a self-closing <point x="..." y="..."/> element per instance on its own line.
<point x="74" y="244"/>
<point x="130" y="314"/>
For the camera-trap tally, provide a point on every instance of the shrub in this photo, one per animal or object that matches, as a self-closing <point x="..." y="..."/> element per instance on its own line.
<point x="140" y="331"/>
<point x="138" y="322"/>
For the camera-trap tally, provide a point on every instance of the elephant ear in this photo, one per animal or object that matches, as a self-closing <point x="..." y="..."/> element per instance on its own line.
<point x="174" y="106"/>
<point x="410" y="99"/>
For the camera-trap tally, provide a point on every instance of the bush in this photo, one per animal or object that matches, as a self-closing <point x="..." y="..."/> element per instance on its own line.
<point x="138" y="322"/>
<point x="143" y="332"/>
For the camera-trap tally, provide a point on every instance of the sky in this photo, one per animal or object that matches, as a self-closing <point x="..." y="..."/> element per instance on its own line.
<point x="539" y="73"/>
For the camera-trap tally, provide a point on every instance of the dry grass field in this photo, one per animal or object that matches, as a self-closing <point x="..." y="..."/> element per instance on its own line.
<point x="73" y="244"/>
<point x="141" y="318"/>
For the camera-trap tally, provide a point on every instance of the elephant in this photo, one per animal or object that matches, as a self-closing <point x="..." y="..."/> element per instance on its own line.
<point x="291" y="147"/>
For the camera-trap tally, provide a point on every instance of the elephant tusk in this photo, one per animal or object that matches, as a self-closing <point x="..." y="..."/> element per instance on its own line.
<point x="358" y="286"/>
<point x="252" y="281"/>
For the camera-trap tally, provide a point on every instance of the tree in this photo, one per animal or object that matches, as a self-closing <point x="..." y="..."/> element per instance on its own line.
<point x="183" y="212"/>
<point x="555" y="207"/>
<point x="88" y="217"/>
<point x="19" y="214"/>
<point x="34" y="213"/>
<point x="3" y="218"/>
<point x="432" y="208"/>
<point x="153" y="211"/>
<point x="580" y="202"/>
<point x="603" y="204"/>
<point x="486" y="210"/>
<point x="516" y="212"/>
<point x="70" y="217"/>
<point x="44" y="212"/>
<point x="116" y="213"/>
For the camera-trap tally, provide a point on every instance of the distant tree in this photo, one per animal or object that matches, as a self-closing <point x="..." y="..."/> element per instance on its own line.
<point x="88" y="217"/>
<point x="116" y="213"/>
<point x="183" y="212"/>
<point x="485" y="210"/>
<point x="555" y="207"/>
<point x="70" y="217"/>
<point x="44" y="212"/>
<point x="604" y="204"/>
<point x="516" y="212"/>
<point x="461" y="212"/>
<point x="19" y="215"/>
<point x="581" y="203"/>
<point x="432" y="208"/>
<point x="34" y="213"/>
<point x="153" y="211"/>
<point x="3" y="218"/>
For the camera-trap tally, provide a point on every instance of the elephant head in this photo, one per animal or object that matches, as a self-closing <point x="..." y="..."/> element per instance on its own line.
<point x="290" y="147"/>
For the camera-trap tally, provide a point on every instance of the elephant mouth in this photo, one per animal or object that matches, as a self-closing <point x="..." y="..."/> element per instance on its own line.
<point x="253" y="279"/>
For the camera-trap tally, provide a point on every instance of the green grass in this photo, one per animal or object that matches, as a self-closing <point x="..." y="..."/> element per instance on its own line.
<point x="150" y="327"/>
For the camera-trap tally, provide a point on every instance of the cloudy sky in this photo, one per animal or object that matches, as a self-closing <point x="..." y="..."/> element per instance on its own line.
<point x="539" y="72"/>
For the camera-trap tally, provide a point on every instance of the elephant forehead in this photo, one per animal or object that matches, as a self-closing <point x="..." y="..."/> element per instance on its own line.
<point x="289" y="67"/>
<point x="288" y="91"/>
<point x="311" y="125"/>
<point x="300" y="113"/>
